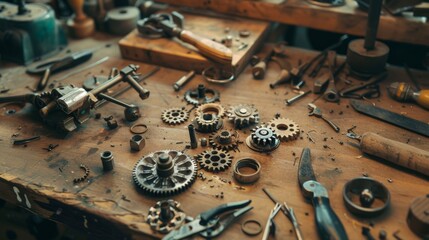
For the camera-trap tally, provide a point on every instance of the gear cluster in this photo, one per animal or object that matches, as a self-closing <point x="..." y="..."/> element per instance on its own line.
<point x="263" y="139"/>
<point x="214" y="160"/>
<point x="165" y="172"/>
<point x="286" y="129"/>
<point x="165" y="216"/>
<point x="174" y="116"/>
<point x="225" y="140"/>
<point x="243" y="115"/>
<point x="201" y="95"/>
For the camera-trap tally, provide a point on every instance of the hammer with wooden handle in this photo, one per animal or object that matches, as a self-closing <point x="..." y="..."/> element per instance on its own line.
<point x="393" y="151"/>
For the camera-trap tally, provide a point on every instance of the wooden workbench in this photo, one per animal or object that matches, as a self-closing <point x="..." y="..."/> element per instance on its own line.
<point x="344" y="19"/>
<point x="109" y="206"/>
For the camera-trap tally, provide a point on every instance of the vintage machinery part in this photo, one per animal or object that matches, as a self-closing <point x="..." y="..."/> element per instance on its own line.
<point x="211" y="108"/>
<point x="135" y="128"/>
<point x="121" y="21"/>
<point x="221" y="76"/>
<point x="192" y="137"/>
<point x="285" y="128"/>
<point x="207" y="123"/>
<point x="183" y="80"/>
<point x="173" y="116"/>
<point x="327" y="3"/>
<point x="263" y="139"/>
<point x="107" y="160"/>
<point x="84" y="176"/>
<point x="165" y="172"/>
<point x="111" y="122"/>
<point x="417" y="218"/>
<point x="249" y="230"/>
<point x="367" y="190"/>
<point x="225" y="140"/>
<point x="201" y="95"/>
<point x="247" y="178"/>
<point x="243" y="115"/>
<point x="214" y="160"/>
<point x="93" y="82"/>
<point x="295" y="98"/>
<point x="165" y="216"/>
<point x="137" y="142"/>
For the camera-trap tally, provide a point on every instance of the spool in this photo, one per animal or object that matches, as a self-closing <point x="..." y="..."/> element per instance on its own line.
<point x="121" y="21"/>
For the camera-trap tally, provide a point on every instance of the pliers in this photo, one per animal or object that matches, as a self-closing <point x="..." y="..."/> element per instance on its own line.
<point x="210" y="224"/>
<point x="57" y="65"/>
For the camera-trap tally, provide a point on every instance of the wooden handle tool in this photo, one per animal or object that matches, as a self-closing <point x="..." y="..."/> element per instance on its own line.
<point x="395" y="152"/>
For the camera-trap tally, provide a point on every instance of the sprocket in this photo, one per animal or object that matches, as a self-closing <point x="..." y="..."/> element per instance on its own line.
<point x="173" y="116"/>
<point x="263" y="139"/>
<point x="214" y="160"/>
<point x="165" y="172"/>
<point x="201" y="95"/>
<point x="207" y="123"/>
<point x="285" y="128"/>
<point x="225" y="140"/>
<point x="243" y="115"/>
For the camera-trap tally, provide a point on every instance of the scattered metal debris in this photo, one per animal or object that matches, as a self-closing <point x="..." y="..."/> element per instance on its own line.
<point x="51" y="147"/>
<point x="25" y="140"/>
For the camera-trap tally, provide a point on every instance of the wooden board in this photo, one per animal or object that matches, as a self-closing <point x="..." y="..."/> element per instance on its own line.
<point x="345" y="19"/>
<point x="176" y="54"/>
<point x="41" y="181"/>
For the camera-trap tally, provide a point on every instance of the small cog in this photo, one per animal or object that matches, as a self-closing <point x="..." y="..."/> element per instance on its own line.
<point x="243" y="115"/>
<point x="207" y="123"/>
<point x="286" y="129"/>
<point x="211" y="108"/>
<point x="225" y="140"/>
<point x="263" y="139"/>
<point x="173" y="116"/>
<point x="214" y="160"/>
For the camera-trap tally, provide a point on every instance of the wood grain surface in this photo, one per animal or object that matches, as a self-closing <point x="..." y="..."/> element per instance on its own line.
<point x="109" y="206"/>
<point x="345" y="19"/>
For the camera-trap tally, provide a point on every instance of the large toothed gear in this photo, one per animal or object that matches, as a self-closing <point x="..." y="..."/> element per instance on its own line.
<point x="166" y="216"/>
<point x="214" y="160"/>
<point x="173" y="116"/>
<point x="201" y="95"/>
<point x="243" y="115"/>
<point x="207" y="123"/>
<point x="211" y="108"/>
<point x="225" y="140"/>
<point x="286" y="129"/>
<point x="165" y="172"/>
<point x="263" y="139"/>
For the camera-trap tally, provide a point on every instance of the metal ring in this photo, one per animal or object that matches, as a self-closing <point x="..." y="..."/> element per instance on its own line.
<point x="249" y="231"/>
<point x="133" y="128"/>
<point x="229" y="76"/>
<point x="247" y="178"/>
<point x="378" y="190"/>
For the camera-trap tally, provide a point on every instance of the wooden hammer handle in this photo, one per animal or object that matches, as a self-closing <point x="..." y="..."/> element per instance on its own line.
<point x="396" y="152"/>
<point x="213" y="50"/>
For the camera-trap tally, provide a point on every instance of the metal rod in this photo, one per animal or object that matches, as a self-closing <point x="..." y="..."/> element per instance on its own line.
<point x="372" y="24"/>
<point x="192" y="136"/>
<point x="297" y="97"/>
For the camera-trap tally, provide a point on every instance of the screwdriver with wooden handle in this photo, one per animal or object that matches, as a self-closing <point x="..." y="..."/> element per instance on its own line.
<point x="393" y="151"/>
<point x="403" y="92"/>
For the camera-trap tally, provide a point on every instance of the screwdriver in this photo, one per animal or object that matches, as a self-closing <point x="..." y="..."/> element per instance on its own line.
<point x="393" y="151"/>
<point x="403" y="92"/>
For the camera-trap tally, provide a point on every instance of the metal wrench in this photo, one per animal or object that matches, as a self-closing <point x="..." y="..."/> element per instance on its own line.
<point x="315" y="111"/>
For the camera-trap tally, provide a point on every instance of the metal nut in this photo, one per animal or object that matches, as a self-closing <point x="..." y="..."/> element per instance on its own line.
<point x="137" y="142"/>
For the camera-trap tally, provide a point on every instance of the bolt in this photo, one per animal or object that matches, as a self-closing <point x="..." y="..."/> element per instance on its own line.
<point x="183" y="80"/>
<point x="203" y="142"/>
<point x="192" y="136"/>
<point x="201" y="91"/>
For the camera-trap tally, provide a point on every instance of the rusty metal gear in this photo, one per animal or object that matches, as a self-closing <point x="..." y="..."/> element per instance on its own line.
<point x="285" y="128"/>
<point x="201" y="95"/>
<point x="225" y="140"/>
<point x="243" y="115"/>
<point x="166" y="216"/>
<point x="214" y="160"/>
<point x="211" y="108"/>
<point x="263" y="139"/>
<point x="165" y="172"/>
<point x="207" y="123"/>
<point x="173" y="116"/>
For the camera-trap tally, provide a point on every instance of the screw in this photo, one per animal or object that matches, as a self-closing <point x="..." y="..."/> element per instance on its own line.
<point x="192" y="136"/>
<point x="183" y="80"/>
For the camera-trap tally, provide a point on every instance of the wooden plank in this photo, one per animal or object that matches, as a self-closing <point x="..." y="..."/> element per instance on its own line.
<point x="176" y="54"/>
<point x="110" y="200"/>
<point x="345" y="19"/>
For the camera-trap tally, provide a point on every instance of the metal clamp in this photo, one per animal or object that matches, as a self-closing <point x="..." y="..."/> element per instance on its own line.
<point x="244" y="177"/>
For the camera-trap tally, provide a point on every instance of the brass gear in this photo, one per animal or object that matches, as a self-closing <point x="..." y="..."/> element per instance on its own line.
<point x="173" y="116"/>
<point x="225" y="140"/>
<point x="243" y="115"/>
<point x="214" y="160"/>
<point x="212" y="108"/>
<point x="207" y="123"/>
<point x="286" y="129"/>
<point x="165" y="172"/>
<point x="263" y="139"/>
